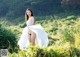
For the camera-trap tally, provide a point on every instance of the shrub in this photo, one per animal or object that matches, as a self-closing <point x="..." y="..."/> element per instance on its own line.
<point x="7" y="38"/>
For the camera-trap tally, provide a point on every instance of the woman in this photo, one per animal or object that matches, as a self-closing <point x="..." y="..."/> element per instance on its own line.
<point x="32" y="34"/>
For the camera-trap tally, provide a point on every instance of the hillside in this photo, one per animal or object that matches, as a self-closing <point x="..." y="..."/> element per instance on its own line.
<point x="63" y="33"/>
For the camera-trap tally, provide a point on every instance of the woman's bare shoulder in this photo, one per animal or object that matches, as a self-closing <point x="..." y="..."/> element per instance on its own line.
<point x="32" y="18"/>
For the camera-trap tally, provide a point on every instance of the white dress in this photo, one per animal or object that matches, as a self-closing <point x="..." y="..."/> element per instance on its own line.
<point x="41" y="35"/>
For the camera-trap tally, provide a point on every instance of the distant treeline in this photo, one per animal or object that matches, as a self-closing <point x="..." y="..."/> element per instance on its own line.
<point x="16" y="8"/>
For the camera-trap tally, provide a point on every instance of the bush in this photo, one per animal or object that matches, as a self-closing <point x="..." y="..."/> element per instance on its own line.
<point x="52" y="51"/>
<point x="7" y="38"/>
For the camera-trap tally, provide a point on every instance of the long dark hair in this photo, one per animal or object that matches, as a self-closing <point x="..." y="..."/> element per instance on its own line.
<point x="26" y="16"/>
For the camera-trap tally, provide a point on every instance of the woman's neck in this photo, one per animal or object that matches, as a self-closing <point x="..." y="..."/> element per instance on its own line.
<point x="30" y="16"/>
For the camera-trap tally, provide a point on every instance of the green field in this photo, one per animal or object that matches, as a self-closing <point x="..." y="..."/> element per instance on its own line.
<point x="63" y="32"/>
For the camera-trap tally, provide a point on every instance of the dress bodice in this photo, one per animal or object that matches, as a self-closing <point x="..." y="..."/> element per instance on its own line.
<point x="30" y="21"/>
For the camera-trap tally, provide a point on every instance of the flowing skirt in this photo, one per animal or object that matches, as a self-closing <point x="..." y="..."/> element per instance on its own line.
<point x="41" y="36"/>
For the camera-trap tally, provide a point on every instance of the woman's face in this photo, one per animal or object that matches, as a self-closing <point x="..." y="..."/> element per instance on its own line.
<point x="28" y="12"/>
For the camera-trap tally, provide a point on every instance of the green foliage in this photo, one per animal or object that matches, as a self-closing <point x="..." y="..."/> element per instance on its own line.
<point x="22" y="25"/>
<point x="14" y="9"/>
<point x="51" y="51"/>
<point x="7" y="38"/>
<point x="68" y="36"/>
<point x="71" y="17"/>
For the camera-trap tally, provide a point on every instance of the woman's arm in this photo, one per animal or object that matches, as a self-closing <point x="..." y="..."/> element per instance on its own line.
<point x="33" y="21"/>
